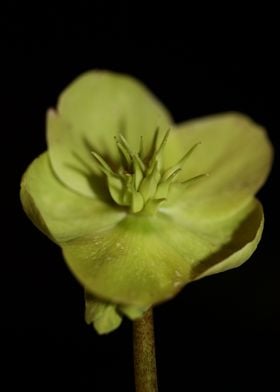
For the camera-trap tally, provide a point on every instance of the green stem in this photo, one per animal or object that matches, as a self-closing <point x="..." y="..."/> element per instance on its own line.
<point x="144" y="354"/>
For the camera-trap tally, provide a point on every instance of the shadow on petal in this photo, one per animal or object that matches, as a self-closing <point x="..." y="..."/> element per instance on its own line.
<point x="104" y="150"/>
<point x="97" y="182"/>
<point x="248" y="232"/>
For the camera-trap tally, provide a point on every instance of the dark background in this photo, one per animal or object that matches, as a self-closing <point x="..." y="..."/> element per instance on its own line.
<point x="220" y="333"/>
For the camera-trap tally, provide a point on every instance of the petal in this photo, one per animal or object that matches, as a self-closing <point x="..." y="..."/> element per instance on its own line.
<point x="132" y="312"/>
<point x="242" y="245"/>
<point x="102" y="315"/>
<point x="106" y="316"/>
<point x="235" y="152"/>
<point x="129" y="264"/>
<point x="146" y="260"/>
<point x="57" y="211"/>
<point x="91" y="111"/>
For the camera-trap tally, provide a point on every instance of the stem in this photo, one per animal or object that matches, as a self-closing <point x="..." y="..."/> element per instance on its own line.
<point x="144" y="354"/>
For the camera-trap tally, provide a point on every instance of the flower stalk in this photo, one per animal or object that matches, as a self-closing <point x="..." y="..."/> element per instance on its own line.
<point x="144" y="354"/>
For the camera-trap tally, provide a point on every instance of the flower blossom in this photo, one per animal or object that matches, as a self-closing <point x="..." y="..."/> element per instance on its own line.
<point x="141" y="206"/>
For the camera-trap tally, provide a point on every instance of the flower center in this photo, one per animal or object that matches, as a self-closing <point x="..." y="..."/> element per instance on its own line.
<point x="140" y="183"/>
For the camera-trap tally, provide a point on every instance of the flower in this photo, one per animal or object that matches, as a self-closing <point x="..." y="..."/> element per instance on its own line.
<point x="139" y="205"/>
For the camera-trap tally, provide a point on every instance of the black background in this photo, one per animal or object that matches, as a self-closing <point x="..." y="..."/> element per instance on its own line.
<point x="220" y="333"/>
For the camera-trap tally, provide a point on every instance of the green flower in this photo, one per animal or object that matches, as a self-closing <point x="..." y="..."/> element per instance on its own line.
<point x="139" y="205"/>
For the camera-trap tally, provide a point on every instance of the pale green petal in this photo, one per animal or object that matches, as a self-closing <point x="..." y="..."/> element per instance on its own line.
<point x="129" y="264"/>
<point x="236" y="253"/>
<point x="107" y="316"/>
<point x="95" y="108"/>
<point x="146" y="260"/>
<point x="102" y="315"/>
<point x="78" y="172"/>
<point x="235" y="152"/>
<point x="57" y="211"/>
<point x="132" y="312"/>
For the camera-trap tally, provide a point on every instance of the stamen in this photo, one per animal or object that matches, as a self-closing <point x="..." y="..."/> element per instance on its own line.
<point x="103" y="165"/>
<point x="115" y="186"/>
<point x="195" y="178"/>
<point x="157" y="153"/>
<point x="149" y="184"/>
<point x="154" y="143"/>
<point x="139" y="182"/>
<point x="137" y="203"/>
<point x="181" y="162"/>
<point x="125" y="144"/>
<point x="129" y="154"/>
<point x="163" y="187"/>
<point x="188" y="153"/>
<point x="141" y="148"/>
<point x="138" y="172"/>
<point x="125" y="157"/>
